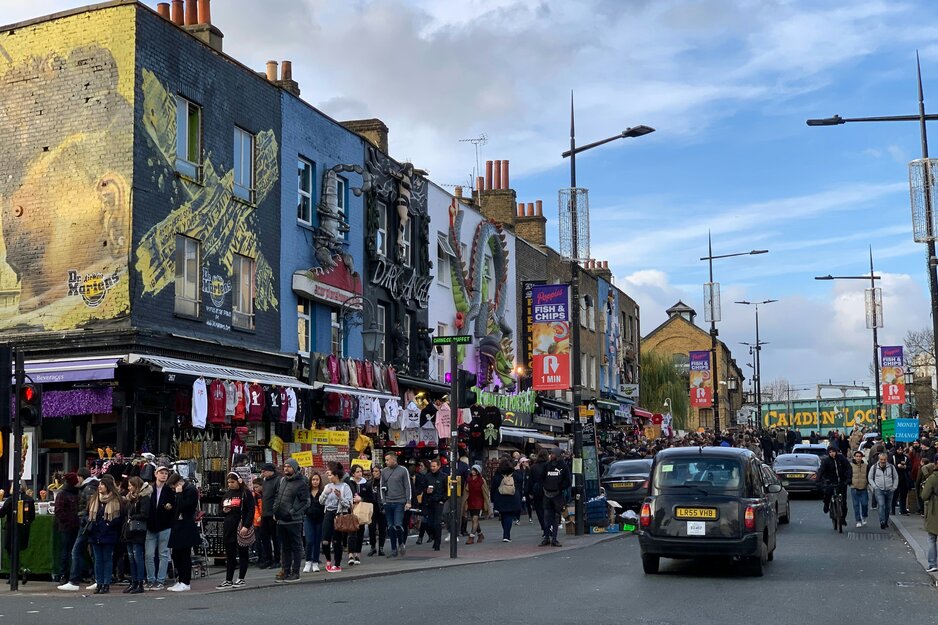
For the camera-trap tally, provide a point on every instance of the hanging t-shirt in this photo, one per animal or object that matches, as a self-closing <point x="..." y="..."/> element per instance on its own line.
<point x="237" y="447"/>
<point x="392" y="412"/>
<point x="199" y="403"/>
<point x="256" y="402"/>
<point x="291" y="405"/>
<point x="411" y="417"/>
<point x="475" y="440"/>
<point x="231" y="398"/>
<point x="240" y="403"/>
<point x="375" y="411"/>
<point x="396" y="436"/>
<point x="216" y="402"/>
<point x="428" y="433"/>
<point x="410" y="437"/>
<point x="491" y="426"/>
<point x="284" y="404"/>
<point x="392" y="381"/>
<point x="273" y="404"/>
<point x="444" y="419"/>
<point x="364" y="411"/>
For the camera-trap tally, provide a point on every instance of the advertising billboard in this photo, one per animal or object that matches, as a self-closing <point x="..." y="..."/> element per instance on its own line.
<point x="892" y="374"/>
<point x="701" y="383"/>
<point x="550" y="337"/>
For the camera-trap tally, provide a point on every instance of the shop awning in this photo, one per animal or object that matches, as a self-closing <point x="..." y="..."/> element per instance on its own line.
<point x="405" y="381"/>
<point x="193" y="368"/>
<point x="519" y="434"/>
<point x="353" y="390"/>
<point x="641" y="412"/>
<point x="72" y="369"/>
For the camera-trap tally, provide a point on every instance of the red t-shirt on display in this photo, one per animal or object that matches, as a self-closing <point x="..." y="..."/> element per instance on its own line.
<point x="216" y="402"/>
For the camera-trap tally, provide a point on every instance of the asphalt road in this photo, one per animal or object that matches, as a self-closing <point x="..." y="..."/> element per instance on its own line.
<point x="862" y="576"/>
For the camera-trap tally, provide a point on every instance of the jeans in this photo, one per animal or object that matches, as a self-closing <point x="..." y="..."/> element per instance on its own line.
<point x="435" y="522"/>
<point x="135" y="558"/>
<point x="394" y="515"/>
<point x="291" y="546"/>
<point x="79" y="562"/>
<point x="932" y="550"/>
<point x="157" y="544"/>
<point x="883" y="504"/>
<point x="103" y="562"/>
<point x="900" y="496"/>
<point x="65" y="553"/>
<point x="312" y="531"/>
<point x="508" y="519"/>
<point x="332" y="541"/>
<point x="861" y="502"/>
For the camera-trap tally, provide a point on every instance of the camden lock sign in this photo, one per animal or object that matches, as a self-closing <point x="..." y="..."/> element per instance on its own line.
<point x="403" y="282"/>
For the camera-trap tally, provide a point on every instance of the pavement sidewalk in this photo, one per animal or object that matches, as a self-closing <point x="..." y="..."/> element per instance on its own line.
<point x="912" y="529"/>
<point x="524" y="544"/>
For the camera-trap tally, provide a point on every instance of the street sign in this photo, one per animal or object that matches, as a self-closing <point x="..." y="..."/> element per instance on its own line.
<point x="452" y="340"/>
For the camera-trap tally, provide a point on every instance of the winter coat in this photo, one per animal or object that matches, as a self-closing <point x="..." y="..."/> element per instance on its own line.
<point x="241" y="514"/>
<point x="138" y="509"/>
<point x="534" y="486"/>
<point x="883" y="479"/>
<point x="835" y="470"/>
<point x="100" y="530"/>
<point x="269" y="493"/>
<point x="478" y="482"/>
<point x="930" y="498"/>
<point x="160" y="518"/>
<point x="66" y="509"/>
<point x="507" y="504"/>
<point x="29" y="514"/>
<point x="292" y="499"/>
<point x="860" y="479"/>
<point x="86" y="491"/>
<point x="438" y="482"/>
<point x="185" y="534"/>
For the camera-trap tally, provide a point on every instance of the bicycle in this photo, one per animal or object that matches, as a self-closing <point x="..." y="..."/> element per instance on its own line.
<point x="838" y="510"/>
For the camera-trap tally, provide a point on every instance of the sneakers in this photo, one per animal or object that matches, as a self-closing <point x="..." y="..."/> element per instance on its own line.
<point x="402" y="549"/>
<point x="315" y="568"/>
<point x="159" y="587"/>
<point x="932" y="569"/>
<point x="544" y="543"/>
<point x="239" y="583"/>
<point x="863" y="522"/>
<point x="555" y="543"/>
<point x="518" y="521"/>
<point x="225" y="585"/>
<point x="859" y="523"/>
<point x="882" y="526"/>
<point x="307" y="567"/>
<point x="93" y="586"/>
<point x="333" y="569"/>
<point x="292" y="577"/>
<point x="372" y="552"/>
<point x="827" y="508"/>
<point x="351" y="562"/>
<point x="393" y="553"/>
<point x="279" y="577"/>
<point x="506" y="540"/>
<point x="69" y="586"/>
<point x="530" y="521"/>
<point x="178" y="587"/>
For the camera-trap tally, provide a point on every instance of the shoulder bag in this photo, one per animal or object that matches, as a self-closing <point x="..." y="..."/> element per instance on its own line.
<point x="246" y="535"/>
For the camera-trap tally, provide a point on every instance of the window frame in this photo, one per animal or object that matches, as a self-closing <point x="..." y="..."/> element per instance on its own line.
<point x="381" y="323"/>
<point x="183" y="304"/>
<point x="410" y="325"/>
<point x="308" y="194"/>
<point x="442" y="266"/>
<point x="441" y="355"/>
<point x="237" y="297"/>
<point x="337" y="332"/>
<point x="184" y="165"/>
<point x="238" y="190"/>
<point x="408" y="245"/>
<point x="304" y="310"/>
<point x="381" y="235"/>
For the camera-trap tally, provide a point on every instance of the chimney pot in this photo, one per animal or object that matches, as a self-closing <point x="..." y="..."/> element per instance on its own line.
<point x="520" y="209"/>
<point x="192" y="13"/>
<point x="286" y="70"/>
<point x="540" y="208"/>
<point x="458" y="191"/>
<point x="163" y="9"/>
<point x="605" y="264"/>
<point x="497" y="182"/>
<point x="205" y="12"/>
<point x="488" y="175"/>
<point x="505" y="184"/>
<point x="272" y="71"/>
<point x="530" y="209"/>
<point x="480" y="183"/>
<point x="177" y="12"/>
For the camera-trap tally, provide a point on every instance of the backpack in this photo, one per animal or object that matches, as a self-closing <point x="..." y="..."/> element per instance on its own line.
<point x="507" y="485"/>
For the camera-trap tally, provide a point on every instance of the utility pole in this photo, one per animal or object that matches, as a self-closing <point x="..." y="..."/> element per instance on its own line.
<point x="17" y="472"/>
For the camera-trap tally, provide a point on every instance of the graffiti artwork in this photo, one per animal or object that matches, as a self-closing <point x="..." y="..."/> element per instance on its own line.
<point x="66" y="135"/>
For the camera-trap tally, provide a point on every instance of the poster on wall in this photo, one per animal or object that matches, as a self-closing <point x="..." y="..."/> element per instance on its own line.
<point x="701" y="387"/>
<point x="550" y="312"/>
<point x="892" y="374"/>
<point x="28" y="455"/>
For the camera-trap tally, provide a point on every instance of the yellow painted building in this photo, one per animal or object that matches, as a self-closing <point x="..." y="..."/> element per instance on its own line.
<point x="677" y="337"/>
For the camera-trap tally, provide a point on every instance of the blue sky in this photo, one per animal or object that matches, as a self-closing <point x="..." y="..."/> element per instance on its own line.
<point x="728" y="85"/>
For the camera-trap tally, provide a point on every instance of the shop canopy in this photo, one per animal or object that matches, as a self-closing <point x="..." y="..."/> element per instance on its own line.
<point x="641" y="412"/>
<point x="522" y="435"/>
<point x="71" y="369"/>
<point x="353" y="390"/>
<point x="190" y="367"/>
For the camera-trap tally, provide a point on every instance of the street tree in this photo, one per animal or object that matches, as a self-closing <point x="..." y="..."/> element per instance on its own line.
<point x="778" y="389"/>
<point x="662" y="379"/>
<point x="920" y="355"/>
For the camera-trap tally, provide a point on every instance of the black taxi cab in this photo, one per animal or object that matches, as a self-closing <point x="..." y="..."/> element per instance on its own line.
<point x="708" y="502"/>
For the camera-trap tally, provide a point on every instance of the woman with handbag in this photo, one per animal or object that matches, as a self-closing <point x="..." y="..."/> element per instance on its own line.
<point x="378" y="528"/>
<point x="312" y="524"/>
<point x="238" y="530"/>
<point x="105" y="520"/>
<point x="362" y="497"/>
<point x="336" y="498"/>
<point x="135" y="531"/>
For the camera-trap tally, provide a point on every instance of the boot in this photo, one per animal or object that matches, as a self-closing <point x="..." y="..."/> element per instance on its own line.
<point x="471" y="540"/>
<point x="131" y="588"/>
<point x="481" y="537"/>
<point x="138" y="590"/>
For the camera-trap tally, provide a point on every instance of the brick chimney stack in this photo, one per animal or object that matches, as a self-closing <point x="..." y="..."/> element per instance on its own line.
<point x="495" y="199"/>
<point x="198" y="21"/>
<point x="531" y="225"/>
<point x="600" y="269"/>
<point x="372" y="130"/>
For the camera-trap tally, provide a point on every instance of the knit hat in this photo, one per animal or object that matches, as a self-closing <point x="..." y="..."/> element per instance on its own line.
<point x="293" y="463"/>
<point x="478" y="468"/>
<point x="269" y="467"/>
<point x="71" y="479"/>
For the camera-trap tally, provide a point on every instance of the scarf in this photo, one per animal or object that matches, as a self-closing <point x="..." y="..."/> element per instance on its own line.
<point x="112" y="506"/>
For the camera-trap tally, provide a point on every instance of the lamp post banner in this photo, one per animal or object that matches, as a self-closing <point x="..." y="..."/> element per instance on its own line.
<point x="550" y="337"/>
<point x="701" y="380"/>
<point x="892" y="375"/>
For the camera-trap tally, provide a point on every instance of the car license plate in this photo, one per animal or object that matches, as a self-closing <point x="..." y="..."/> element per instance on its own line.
<point x="696" y="528"/>
<point x="709" y="514"/>
<point x="623" y="484"/>
<point x="796" y="476"/>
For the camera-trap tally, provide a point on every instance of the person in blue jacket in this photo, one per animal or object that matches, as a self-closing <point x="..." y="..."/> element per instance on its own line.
<point x="507" y="489"/>
<point x="105" y="520"/>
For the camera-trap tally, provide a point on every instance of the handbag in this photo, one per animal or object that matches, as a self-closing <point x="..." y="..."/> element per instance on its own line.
<point x="246" y="535"/>
<point x="347" y="523"/>
<point x="136" y="526"/>
<point x="364" y="511"/>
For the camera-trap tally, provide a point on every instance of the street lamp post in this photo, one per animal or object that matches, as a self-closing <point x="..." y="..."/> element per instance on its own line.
<point x="371" y="336"/>
<point x="756" y="375"/>
<point x="758" y="354"/>
<point x="929" y="233"/>
<point x="874" y="321"/>
<point x="712" y="313"/>
<point x="576" y="381"/>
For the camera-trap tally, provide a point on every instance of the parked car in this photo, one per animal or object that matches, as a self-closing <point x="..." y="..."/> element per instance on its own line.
<point x="798" y="473"/>
<point x="626" y="482"/>
<point x="819" y="449"/>
<point x="779" y="499"/>
<point x="708" y="502"/>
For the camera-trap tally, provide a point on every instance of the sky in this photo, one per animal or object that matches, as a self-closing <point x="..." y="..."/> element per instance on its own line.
<point x="727" y="84"/>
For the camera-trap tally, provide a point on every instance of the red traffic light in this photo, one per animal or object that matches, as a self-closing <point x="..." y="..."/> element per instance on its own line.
<point x="29" y="393"/>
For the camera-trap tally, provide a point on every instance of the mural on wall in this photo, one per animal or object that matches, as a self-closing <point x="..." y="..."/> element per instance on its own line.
<point x="66" y="137"/>
<point x="329" y="238"/>
<point x="207" y="211"/>
<point x="612" y="341"/>
<point x="480" y="298"/>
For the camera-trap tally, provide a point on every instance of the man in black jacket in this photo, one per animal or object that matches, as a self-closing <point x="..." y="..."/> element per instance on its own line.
<point x="268" y="546"/>
<point x="434" y="499"/>
<point x="159" y="527"/>
<point x="556" y="481"/>
<point x="290" y="504"/>
<point x="534" y="492"/>
<point x="835" y="472"/>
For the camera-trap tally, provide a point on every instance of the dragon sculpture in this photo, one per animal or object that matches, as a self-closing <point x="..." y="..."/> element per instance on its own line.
<point x="480" y="306"/>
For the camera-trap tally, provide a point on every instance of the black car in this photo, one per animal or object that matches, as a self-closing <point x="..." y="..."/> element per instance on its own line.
<point x="708" y="502"/>
<point x="798" y="473"/>
<point x="626" y="482"/>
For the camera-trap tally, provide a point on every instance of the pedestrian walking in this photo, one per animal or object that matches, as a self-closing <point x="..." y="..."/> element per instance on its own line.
<point x="87" y="489"/>
<point x="336" y="499"/>
<point x="185" y="531"/>
<point x="312" y="524"/>
<point x="434" y="501"/>
<point x="884" y="479"/>
<point x="238" y="511"/>
<point x="506" y="495"/>
<point x="290" y="505"/>
<point x="535" y="492"/>
<point x="556" y="482"/>
<point x="105" y="520"/>
<point x="159" y="525"/>
<point x="859" y="484"/>
<point x="478" y="503"/>
<point x="396" y="494"/>
<point x="901" y="461"/>
<point x="138" y="501"/>
<point x="378" y="528"/>
<point x="268" y="552"/>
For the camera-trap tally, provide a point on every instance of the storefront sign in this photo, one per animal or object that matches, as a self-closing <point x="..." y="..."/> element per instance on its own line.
<point x="526" y="401"/>
<point x="216" y="287"/>
<point x="404" y="283"/>
<point x="551" y="337"/>
<point x="321" y="437"/>
<point x="364" y="463"/>
<point x="906" y="430"/>
<point x="333" y="286"/>
<point x="629" y="390"/>
<point x="892" y="375"/>
<point x="701" y="389"/>
<point x="835" y="414"/>
<point x="303" y="458"/>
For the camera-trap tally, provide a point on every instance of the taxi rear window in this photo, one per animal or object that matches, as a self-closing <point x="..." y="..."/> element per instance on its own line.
<point x="708" y="473"/>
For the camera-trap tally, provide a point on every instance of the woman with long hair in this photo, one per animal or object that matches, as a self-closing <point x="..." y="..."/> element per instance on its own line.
<point x="238" y="510"/>
<point x="378" y="528"/>
<point x="135" y="531"/>
<point x="477" y="503"/>
<point x="336" y="498"/>
<point x="105" y="520"/>
<point x="312" y="523"/>
<point x="361" y="492"/>
<point x="506" y="495"/>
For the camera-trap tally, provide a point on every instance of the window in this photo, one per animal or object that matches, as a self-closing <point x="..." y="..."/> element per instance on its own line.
<point x="406" y="243"/>
<point x="341" y="189"/>
<point x="442" y="355"/>
<point x="584" y="368"/>
<point x="338" y="334"/>
<point x="444" y="254"/>
<point x="408" y="332"/>
<point x="243" y="164"/>
<point x="242" y="307"/>
<point x="303" y="326"/>
<point x="592" y="372"/>
<point x="382" y="322"/>
<point x="681" y="362"/>
<point x="188" y="138"/>
<point x="584" y="309"/>
<point x="304" y="192"/>
<point x="591" y="315"/>
<point x="187" y="276"/>
<point x="488" y="274"/>
<point x="381" y="236"/>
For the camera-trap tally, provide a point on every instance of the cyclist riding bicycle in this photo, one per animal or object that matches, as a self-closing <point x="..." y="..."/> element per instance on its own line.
<point x="835" y="472"/>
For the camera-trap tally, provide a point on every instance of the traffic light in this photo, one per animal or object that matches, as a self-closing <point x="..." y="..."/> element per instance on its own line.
<point x="30" y="405"/>
<point x="6" y="383"/>
<point x="465" y="397"/>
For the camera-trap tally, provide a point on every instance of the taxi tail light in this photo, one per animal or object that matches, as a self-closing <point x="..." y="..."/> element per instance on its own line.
<point x="645" y="516"/>
<point x="750" y="518"/>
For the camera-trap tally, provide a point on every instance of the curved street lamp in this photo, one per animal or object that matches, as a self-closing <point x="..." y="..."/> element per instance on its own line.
<point x="371" y="336"/>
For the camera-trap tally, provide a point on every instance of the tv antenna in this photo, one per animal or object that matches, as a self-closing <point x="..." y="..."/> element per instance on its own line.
<point x="482" y="139"/>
